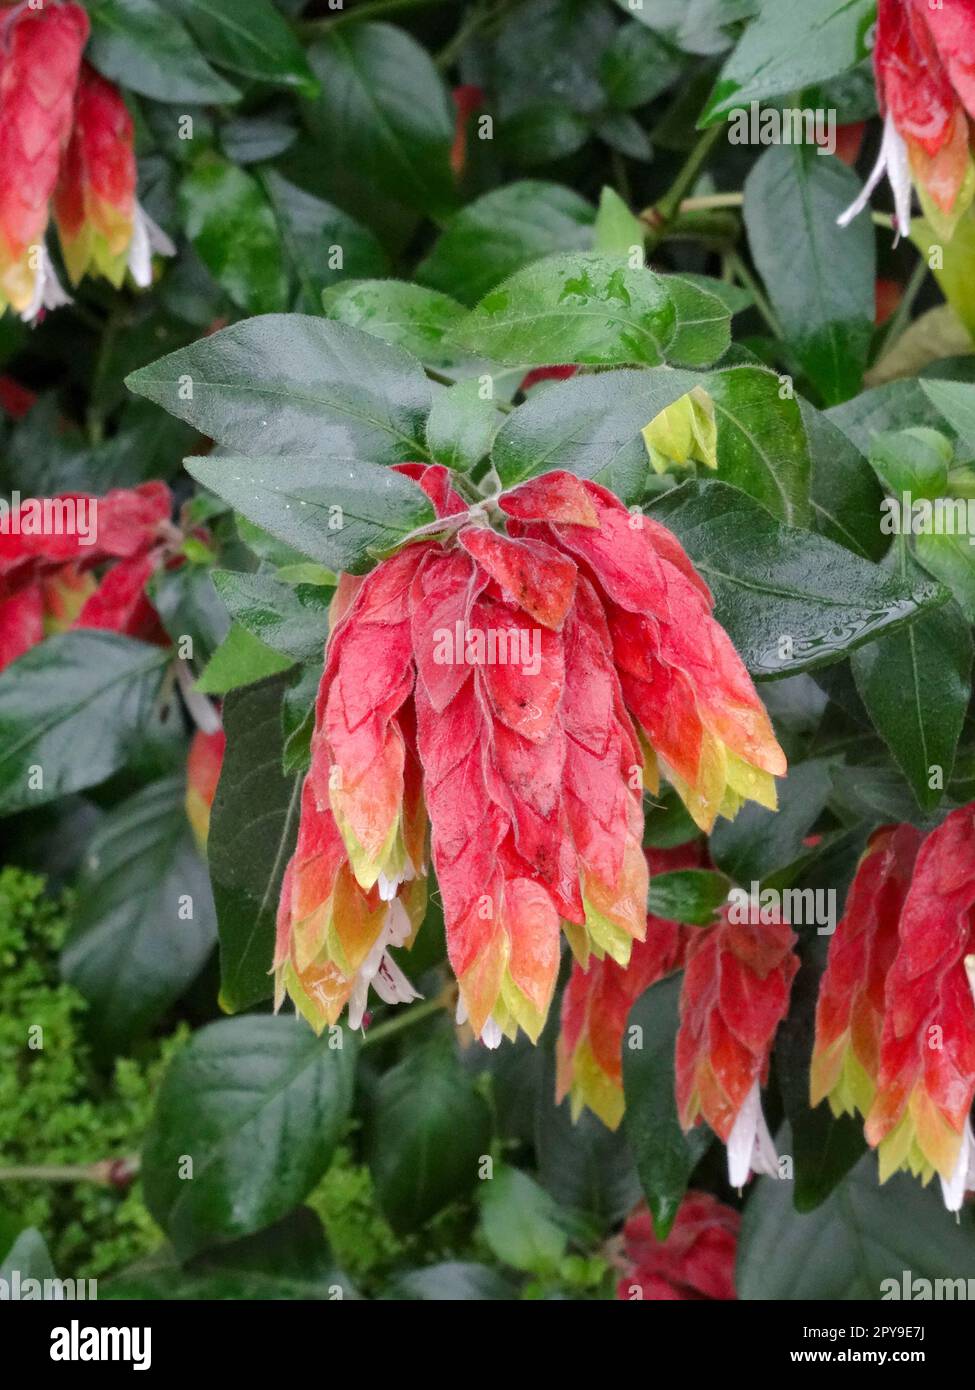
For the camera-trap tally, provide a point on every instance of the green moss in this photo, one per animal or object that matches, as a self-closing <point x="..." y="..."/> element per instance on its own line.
<point x="55" y="1108"/>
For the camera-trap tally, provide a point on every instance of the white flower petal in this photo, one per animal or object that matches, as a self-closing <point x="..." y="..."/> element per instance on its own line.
<point x="750" y="1147"/>
<point x="147" y="237"/>
<point x="962" y="1180"/>
<point x="491" y="1034"/>
<point x="49" y="293"/>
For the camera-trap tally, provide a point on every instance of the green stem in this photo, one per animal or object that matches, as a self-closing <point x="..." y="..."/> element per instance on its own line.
<point x="663" y="212"/>
<point x="369" y="9"/>
<point x="901" y="317"/>
<point x="405" y="1018"/>
<point x="104" y="1172"/>
<point x="747" y="279"/>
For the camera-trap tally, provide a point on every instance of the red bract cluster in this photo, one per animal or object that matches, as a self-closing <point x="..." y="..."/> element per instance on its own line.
<point x="696" y="1261"/>
<point x="516" y="689"/>
<point x="598" y="999"/>
<point x="66" y="142"/>
<point x="49" y="549"/>
<point x="895" y="1027"/>
<point x="735" y="994"/>
<point x="924" y="59"/>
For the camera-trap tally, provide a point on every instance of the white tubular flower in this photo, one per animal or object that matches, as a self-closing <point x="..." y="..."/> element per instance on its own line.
<point x="147" y="239"/>
<point x="893" y="161"/>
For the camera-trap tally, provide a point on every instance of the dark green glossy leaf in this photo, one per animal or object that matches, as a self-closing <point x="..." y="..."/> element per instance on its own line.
<point x="916" y="686"/>
<point x="844" y="492"/>
<point x="590" y="426"/>
<point x="955" y="400"/>
<point x="637" y="67"/>
<point x="791" y="45"/>
<point x="462" y="425"/>
<point x="573" y="308"/>
<point x="687" y="895"/>
<point x="762" y="445"/>
<point x="321" y="243"/>
<point x="665" y="1156"/>
<point x="428" y="1132"/>
<point x="789" y="599"/>
<point x="291" y="621"/>
<point x="793" y="197"/>
<point x="703" y="331"/>
<point x="249" y="37"/>
<point x="861" y="1236"/>
<point x="502" y="231"/>
<point x="520" y="1222"/>
<point x="452" y="1282"/>
<point x="70" y="710"/>
<point x="145" y="922"/>
<point x="253" y="826"/>
<point x="408" y="316"/>
<point x="289" y="383"/>
<point x="258" y="1105"/>
<point x="758" y="842"/>
<point x="384" y="113"/>
<point x="233" y="231"/>
<point x="340" y="512"/>
<point x="137" y="43"/>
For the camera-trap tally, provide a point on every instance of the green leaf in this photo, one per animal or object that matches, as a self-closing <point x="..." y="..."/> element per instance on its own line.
<point x="759" y="842"/>
<point x="253" y="827"/>
<point x="590" y="426"/>
<point x="145" y="922"/>
<point x="573" y="308"/>
<point x="955" y="400"/>
<point x="951" y="559"/>
<point x="520" y="1222"/>
<point x="862" y="1235"/>
<point x="542" y="133"/>
<point x="692" y="896"/>
<point x="408" y="316"/>
<point x="29" y="1258"/>
<point x="241" y="659"/>
<point x="703" y="331"/>
<point x="249" y="37"/>
<point x="793" y="197"/>
<point x="899" y="405"/>
<point x="916" y="686"/>
<point x="451" y="1282"/>
<point x="321" y="243"/>
<point x="501" y="232"/>
<point x="428" y="1131"/>
<point x="824" y="1147"/>
<point x="762" y="445"/>
<point x="341" y="512"/>
<point x="617" y="231"/>
<point x="233" y="231"/>
<point x="665" y="1156"/>
<point x="637" y="67"/>
<point x="289" y="1260"/>
<point x="136" y="43"/>
<point x="293" y="621"/>
<point x="791" y="44"/>
<point x="70" y="710"/>
<point x="790" y="600"/>
<point x="844" y="493"/>
<point x="258" y="1105"/>
<point x="289" y="383"/>
<point x="384" y="114"/>
<point x="462" y="425"/>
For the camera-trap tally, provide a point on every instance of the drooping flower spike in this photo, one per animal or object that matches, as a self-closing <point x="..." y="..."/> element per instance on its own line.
<point x="924" y="63"/>
<point x="101" y="226"/>
<point x="203" y="765"/>
<point x="850" y="1011"/>
<point x="919" y="1118"/>
<point x="475" y="677"/>
<point x="40" y="57"/>
<point x="599" y="996"/>
<point x="735" y="993"/>
<point x="47" y="582"/>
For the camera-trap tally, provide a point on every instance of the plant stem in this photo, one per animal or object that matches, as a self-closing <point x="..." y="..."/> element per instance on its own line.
<point x="900" y="319"/>
<point x="747" y="279"/>
<point x="107" y="1172"/>
<point x="406" y="1018"/>
<point x="663" y="212"/>
<point x="369" y="9"/>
